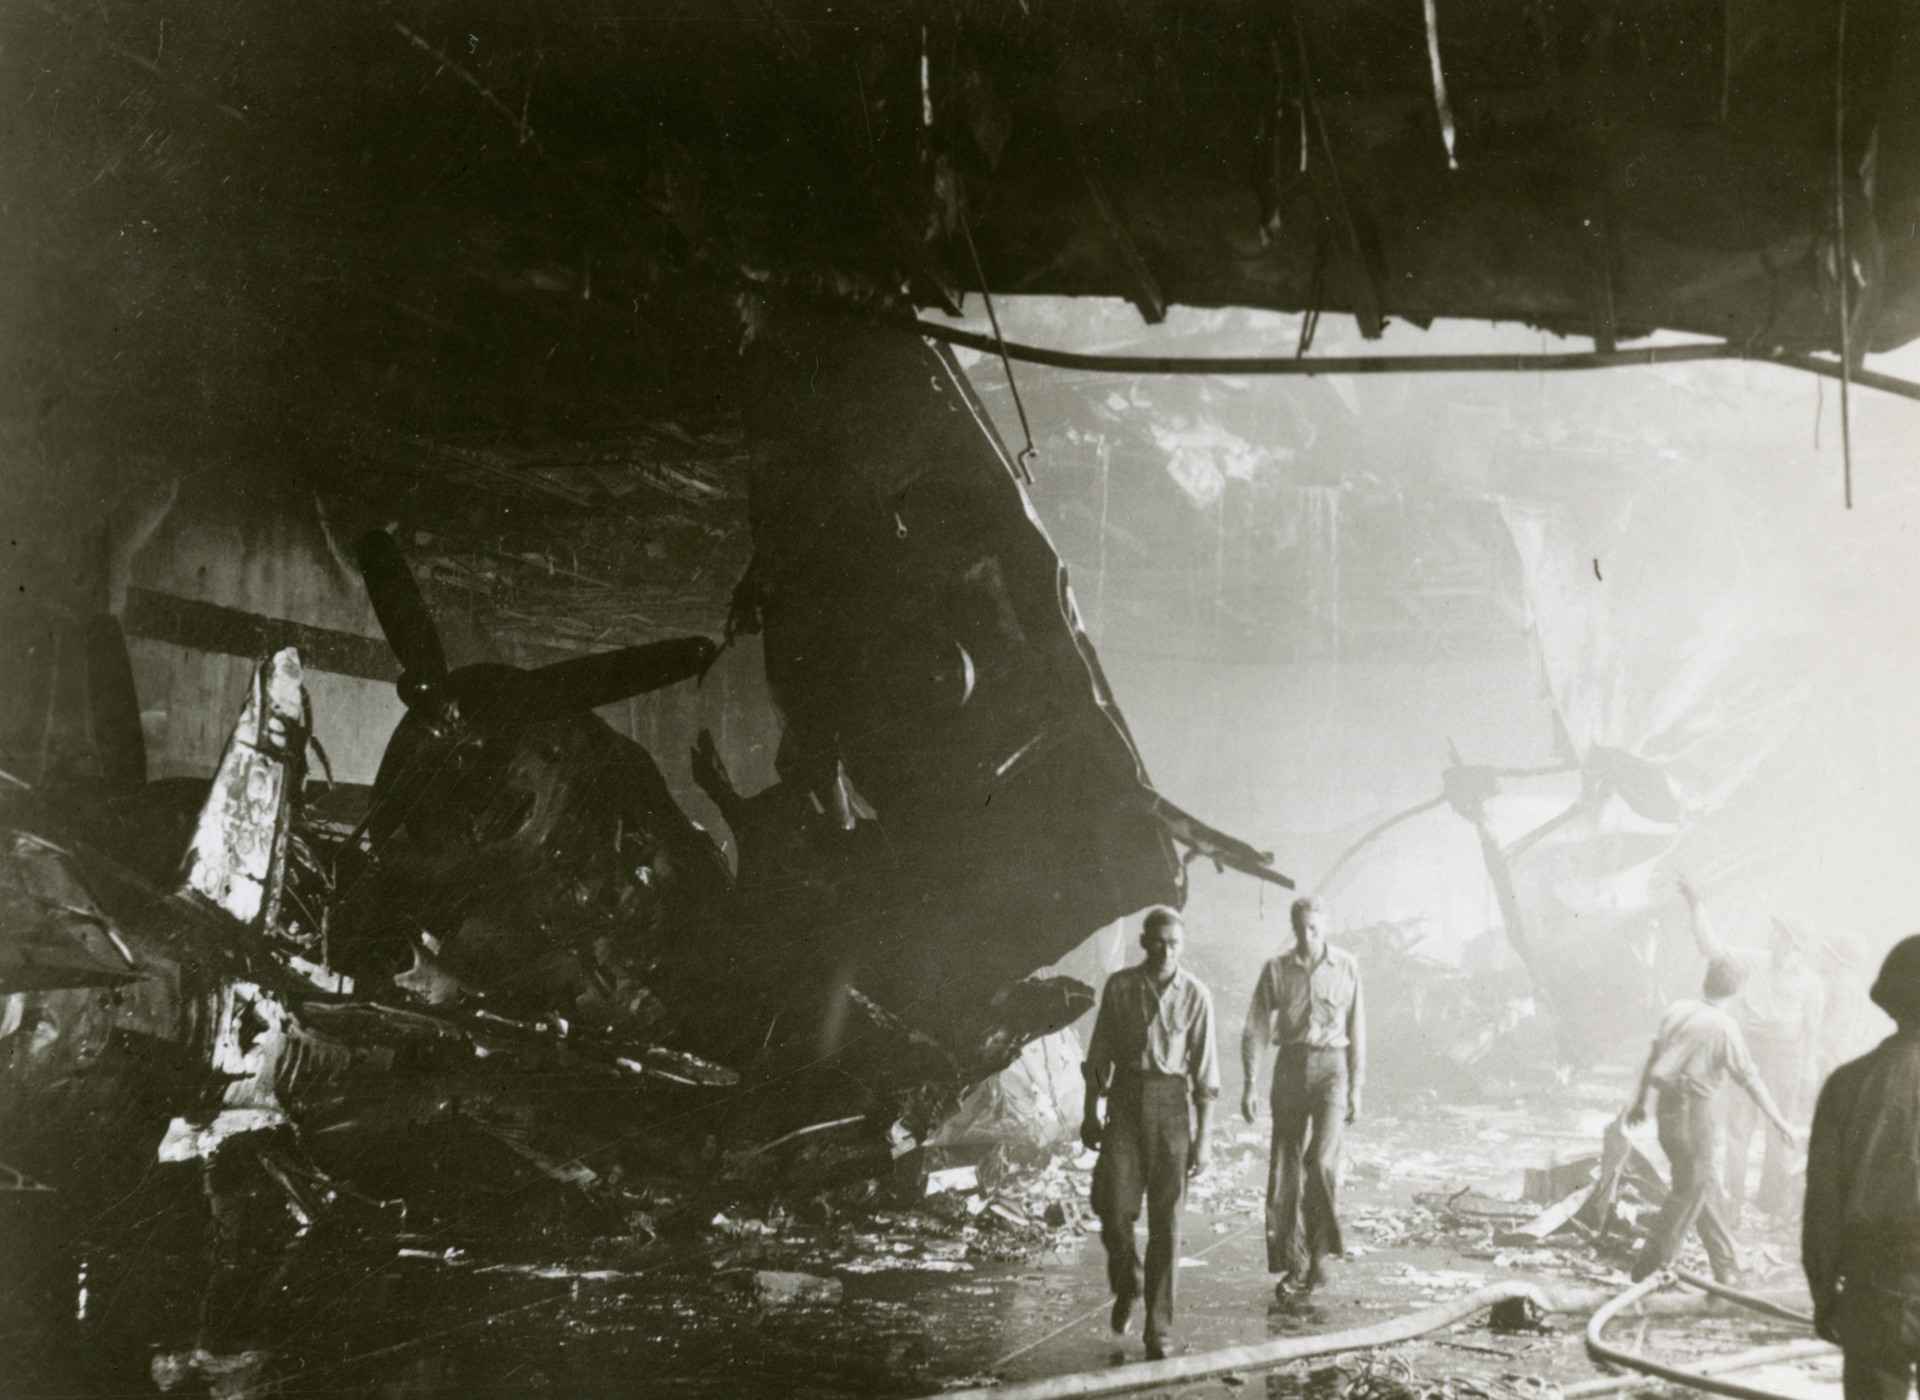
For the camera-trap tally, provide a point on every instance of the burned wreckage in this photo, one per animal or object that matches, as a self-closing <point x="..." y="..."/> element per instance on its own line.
<point x="524" y="941"/>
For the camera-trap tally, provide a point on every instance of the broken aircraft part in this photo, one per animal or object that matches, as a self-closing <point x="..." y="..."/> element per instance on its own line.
<point x="525" y="920"/>
<point x="1015" y="814"/>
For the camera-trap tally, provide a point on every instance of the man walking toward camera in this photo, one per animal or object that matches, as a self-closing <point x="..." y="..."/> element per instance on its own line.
<point x="1152" y="1056"/>
<point x="1308" y="1004"/>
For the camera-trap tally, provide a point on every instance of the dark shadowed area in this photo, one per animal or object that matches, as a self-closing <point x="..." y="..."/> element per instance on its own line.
<point x="583" y="718"/>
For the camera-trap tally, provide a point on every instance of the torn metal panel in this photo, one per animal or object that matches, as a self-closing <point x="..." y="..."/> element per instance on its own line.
<point x="239" y="850"/>
<point x="56" y="936"/>
<point x="524" y="939"/>
<point x="921" y="635"/>
<point x="1217" y="846"/>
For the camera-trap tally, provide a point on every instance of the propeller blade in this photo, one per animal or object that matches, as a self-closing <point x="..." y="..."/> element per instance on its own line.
<point x="401" y="608"/>
<point x="588" y="682"/>
<point x="113" y="706"/>
<point x="1642" y="784"/>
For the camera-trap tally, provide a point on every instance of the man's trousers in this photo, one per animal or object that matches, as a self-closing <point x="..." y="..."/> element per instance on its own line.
<point x="1143" y="1151"/>
<point x="1782" y="1063"/>
<point x="1309" y="1115"/>
<point x="1689" y="1134"/>
<point x="1878" y="1316"/>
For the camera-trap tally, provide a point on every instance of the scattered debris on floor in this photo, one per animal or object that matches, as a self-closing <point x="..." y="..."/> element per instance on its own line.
<point x="772" y="1288"/>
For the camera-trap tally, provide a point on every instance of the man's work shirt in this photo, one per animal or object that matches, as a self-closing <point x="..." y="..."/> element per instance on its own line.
<point x="1863" y="1162"/>
<point x="1156" y="1030"/>
<point x="1782" y="1003"/>
<point x="1696" y="1048"/>
<point x="1318" y="1006"/>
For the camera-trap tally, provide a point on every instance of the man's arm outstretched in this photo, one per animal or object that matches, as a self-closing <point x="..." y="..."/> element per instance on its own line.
<point x="1203" y="1077"/>
<point x="1704" y="936"/>
<point x="1820" y="1227"/>
<point x="1637" y="1110"/>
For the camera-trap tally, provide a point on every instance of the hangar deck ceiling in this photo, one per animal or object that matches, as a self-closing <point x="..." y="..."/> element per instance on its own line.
<point x="487" y="271"/>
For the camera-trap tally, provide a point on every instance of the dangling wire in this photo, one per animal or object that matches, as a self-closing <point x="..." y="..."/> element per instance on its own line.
<point x="1840" y="246"/>
<point x="1440" y="103"/>
<point x="1028" y="452"/>
<point x="1316" y="293"/>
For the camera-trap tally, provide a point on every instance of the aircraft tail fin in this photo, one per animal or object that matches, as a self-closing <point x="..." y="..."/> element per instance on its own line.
<point x="238" y="856"/>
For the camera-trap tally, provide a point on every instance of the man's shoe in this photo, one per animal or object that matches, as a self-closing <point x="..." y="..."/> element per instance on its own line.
<point x="1316" y="1278"/>
<point x="1157" y="1350"/>
<point x="1122" y="1311"/>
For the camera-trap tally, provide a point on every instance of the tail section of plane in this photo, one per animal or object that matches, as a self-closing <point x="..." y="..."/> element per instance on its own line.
<point x="238" y="857"/>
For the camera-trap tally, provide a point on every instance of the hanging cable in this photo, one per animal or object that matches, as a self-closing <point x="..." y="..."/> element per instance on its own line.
<point x="1028" y="452"/>
<point x="1827" y="366"/>
<point x="1840" y="247"/>
<point x="1440" y="103"/>
<point x="1316" y="293"/>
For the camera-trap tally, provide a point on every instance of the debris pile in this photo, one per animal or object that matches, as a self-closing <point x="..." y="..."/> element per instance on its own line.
<point x="1373" y="1376"/>
<point x="1005" y="1208"/>
<point x="1455" y="1030"/>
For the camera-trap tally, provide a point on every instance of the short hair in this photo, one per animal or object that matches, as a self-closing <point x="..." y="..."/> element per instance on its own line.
<point x="1304" y="906"/>
<point x="1159" y="917"/>
<point x="1896" y="990"/>
<point x="1724" y="978"/>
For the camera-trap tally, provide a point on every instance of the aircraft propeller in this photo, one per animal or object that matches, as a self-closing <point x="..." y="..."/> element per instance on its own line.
<point x="579" y="683"/>
<point x="404" y="617"/>
<point x="113" y="706"/>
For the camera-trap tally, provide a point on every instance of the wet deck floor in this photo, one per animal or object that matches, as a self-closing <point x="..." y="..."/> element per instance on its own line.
<point x="917" y="1311"/>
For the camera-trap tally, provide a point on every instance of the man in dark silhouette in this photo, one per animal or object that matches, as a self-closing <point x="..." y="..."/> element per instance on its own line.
<point x="1860" y="1239"/>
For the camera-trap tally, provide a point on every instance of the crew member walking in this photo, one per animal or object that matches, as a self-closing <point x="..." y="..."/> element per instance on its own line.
<point x="1152" y="1056"/>
<point x="1780" y="1011"/>
<point x="1695" y="1050"/>
<point x="1308" y="1004"/>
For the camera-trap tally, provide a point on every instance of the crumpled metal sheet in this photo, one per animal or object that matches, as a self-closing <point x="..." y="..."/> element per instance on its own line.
<point x="55" y="936"/>
<point x="922" y="641"/>
<point x="240" y="845"/>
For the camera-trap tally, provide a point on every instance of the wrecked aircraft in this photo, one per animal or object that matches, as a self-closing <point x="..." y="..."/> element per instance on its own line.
<point x="523" y="919"/>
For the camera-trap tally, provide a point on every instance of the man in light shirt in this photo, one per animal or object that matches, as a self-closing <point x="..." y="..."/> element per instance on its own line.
<point x="1695" y="1051"/>
<point x="1152" y="1055"/>
<point x="1307" y="1003"/>
<point x="1780" y="1010"/>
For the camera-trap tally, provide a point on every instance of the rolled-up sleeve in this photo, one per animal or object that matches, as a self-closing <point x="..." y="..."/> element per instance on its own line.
<point x="1203" y="1058"/>
<point x="1740" y="1063"/>
<point x="1259" y="1028"/>
<point x="1826" y="1156"/>
<point x="1098" y="1066"/>
<point x="1357" y="1035"/>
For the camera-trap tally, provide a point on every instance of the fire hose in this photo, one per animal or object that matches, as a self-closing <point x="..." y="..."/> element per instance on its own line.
<point x="1706" y="1376"/>
<point x="1120" y="1380"/>
<point x="1745" y="1300"/>
<point x="1262" y="1356"/>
